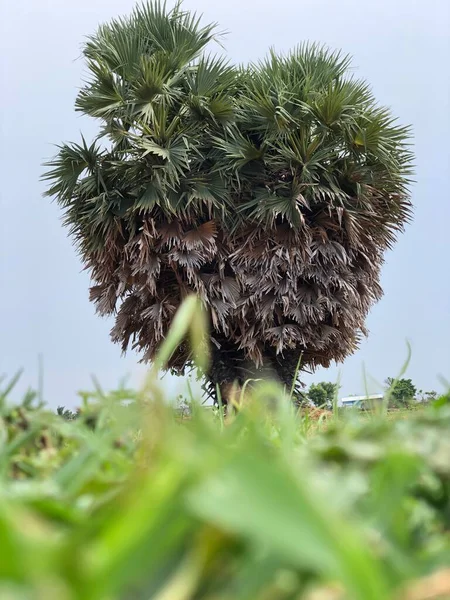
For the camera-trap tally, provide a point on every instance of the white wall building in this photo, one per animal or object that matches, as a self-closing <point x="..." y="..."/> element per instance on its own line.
<point x="358" y="400"/>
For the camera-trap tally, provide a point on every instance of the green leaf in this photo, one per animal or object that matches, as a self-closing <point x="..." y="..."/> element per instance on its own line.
<point x="11" y="557"/>
<point x="260" y="500"/>
<point x="149" y="198"/>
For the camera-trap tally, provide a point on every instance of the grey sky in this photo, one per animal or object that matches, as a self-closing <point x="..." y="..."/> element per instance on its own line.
<point x="400" y="46"/>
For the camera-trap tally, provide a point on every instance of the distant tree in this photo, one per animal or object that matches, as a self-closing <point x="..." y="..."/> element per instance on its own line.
<point x="402" y="391"/>
<point x="426" y="397"/>
<point x="323" y="393"/>
<point x="66" y="414"/>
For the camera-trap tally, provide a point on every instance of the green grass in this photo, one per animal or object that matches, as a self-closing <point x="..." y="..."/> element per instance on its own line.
<point x="130" y="503"/>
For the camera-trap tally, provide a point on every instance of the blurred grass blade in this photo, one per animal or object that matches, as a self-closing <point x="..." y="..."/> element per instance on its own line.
<point x="181" y="325"/>
<point x="258" y="499"/>
<point x="9" y="387"/>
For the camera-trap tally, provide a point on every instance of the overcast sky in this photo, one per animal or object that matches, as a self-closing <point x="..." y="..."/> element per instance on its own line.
<point x="400" y="46"/>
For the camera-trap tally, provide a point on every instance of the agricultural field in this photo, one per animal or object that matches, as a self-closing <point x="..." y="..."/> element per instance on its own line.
<point x="126" y="501"/>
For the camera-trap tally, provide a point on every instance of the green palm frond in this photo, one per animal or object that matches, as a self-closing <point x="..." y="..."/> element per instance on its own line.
<point x="175" y="32"/>
<point x="210" y="75"/>
<point x="104" y="96"/>
<point x="237" y="149"/>
<point x="66" y="168"/>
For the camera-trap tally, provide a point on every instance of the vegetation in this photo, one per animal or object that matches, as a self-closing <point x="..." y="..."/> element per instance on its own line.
<point x="145" y="507"/>
<point x="270" y="190"/>
<point x="323" y="394"/>
<point x="426" y="397"/>
<point x="128" y="502"/>
<point x="67" y="414"/>
<point x="401" y="391"/>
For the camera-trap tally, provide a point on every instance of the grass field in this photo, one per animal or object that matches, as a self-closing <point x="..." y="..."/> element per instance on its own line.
<point x="129" y="503"/>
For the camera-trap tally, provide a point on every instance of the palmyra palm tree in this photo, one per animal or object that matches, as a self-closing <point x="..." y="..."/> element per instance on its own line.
<point x="271" y="191"/>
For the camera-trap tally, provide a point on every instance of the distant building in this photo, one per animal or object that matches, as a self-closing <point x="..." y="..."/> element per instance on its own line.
<point x="361" y="401"/>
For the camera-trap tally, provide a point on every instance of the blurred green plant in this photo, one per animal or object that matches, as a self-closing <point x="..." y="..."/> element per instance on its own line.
<point x="127" y="502"/>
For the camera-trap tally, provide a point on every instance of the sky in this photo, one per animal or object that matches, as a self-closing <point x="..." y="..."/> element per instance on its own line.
<point x="401" y="47"/>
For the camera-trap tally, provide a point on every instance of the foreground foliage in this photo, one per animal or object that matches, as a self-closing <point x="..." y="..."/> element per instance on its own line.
<point x="129" y="503"/>
<point x="270" y="190"/>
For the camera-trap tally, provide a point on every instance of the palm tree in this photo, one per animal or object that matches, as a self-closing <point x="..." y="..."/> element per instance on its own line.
<point x="271" y="191"/>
